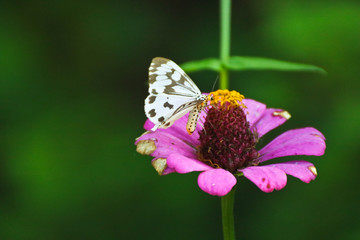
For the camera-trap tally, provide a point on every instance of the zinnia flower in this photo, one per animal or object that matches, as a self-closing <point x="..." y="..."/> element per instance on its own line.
<point x="224" y="146"/>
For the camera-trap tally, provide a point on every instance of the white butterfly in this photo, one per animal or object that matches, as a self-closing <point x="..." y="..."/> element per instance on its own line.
<point x="172" y="94"/>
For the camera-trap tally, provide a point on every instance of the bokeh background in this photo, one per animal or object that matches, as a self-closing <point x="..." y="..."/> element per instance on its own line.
<point x="72" y="84"/>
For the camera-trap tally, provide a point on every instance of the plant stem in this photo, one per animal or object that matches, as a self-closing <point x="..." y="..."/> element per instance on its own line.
<point x="227" y="201"/>
<point x="225" y="23"/>
<point x="227" y="207"/>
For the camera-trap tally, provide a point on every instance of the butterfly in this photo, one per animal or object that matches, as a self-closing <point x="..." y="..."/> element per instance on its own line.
<point x="172" y="94"/>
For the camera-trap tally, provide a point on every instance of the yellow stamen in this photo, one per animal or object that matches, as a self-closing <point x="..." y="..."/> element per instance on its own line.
<point x="209" y="162"/>
<point x="220" y="97"/>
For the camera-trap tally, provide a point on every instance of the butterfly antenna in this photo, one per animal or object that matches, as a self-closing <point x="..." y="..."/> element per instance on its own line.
<point x="217" y="78"/>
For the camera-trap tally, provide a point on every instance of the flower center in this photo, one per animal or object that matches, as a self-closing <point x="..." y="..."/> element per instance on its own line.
<point x="226" y="141"/>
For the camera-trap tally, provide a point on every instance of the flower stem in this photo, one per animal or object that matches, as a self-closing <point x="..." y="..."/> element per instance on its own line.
<point x="225" y="17"/>
<point x="227" y="202"/>
<point x="227" y="207"/>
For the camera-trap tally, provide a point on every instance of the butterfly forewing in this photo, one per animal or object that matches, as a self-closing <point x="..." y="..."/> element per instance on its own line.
<point x="170" y="78"/>
<point x="172" y="93"/>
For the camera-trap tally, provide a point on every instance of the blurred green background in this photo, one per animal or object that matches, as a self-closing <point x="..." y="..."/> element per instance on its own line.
<point x="72" y="84"/>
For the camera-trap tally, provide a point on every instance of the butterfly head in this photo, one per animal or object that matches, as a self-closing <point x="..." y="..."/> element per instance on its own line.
<point x="202" y="97"/>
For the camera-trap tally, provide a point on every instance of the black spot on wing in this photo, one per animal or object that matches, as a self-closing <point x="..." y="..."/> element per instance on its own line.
<point x="169" y="89"/>
<point x="152" y="113"/>
<point x="161" y="119"/>
<point x="168" y="105"/>
<point x="152" y="78"/>
<point x="182" y="80"/>
<point x="152" y="99"/>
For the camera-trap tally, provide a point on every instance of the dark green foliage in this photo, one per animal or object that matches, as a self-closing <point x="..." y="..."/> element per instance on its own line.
<point x="72" y="88"/>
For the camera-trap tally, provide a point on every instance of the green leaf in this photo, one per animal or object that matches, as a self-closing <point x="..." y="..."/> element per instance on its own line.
<point x="258" y="63"/>
<point x="204" y="64"/>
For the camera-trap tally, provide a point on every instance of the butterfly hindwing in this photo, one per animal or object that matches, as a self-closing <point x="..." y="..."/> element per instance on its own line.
<point x="181" y="111"/>
<point x="162" y="108"/>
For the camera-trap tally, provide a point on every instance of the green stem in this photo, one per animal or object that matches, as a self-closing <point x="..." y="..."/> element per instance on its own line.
<point x="227" y="202"/>
<point x="227" y="207"/>
<point x="225" y="23"/>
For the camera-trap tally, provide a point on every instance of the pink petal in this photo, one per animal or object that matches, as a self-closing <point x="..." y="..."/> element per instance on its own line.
<point x="305" y="171"/>
<point x="302" y="141"/>
<point x="178" y="129"/>
<point x="254" y="110"/>
<point x="217" y="182"/>
<point x="182" y="164"/>
<point x="148" y="125"/>
<point x="271" y="119"/>
<point x="266" y="178"/>
<point x="165" y="144"/>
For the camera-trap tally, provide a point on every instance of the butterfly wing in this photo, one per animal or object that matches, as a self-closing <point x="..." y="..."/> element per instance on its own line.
<point x="164" y="111"/>
<point x="171" y="93"/>
<point x="167" y="77"/>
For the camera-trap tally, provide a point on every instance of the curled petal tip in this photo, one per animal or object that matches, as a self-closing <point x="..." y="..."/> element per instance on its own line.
<point x="313" y="170"/>
<point x="160" y="165"/>
<point x="145" y="147"/>
<point x="284" y="114"/>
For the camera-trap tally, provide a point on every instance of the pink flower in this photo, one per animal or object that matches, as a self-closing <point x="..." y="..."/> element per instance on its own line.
<point x="223" y="150"/>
